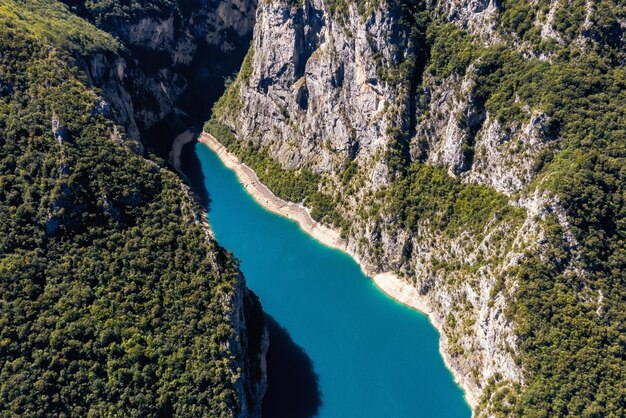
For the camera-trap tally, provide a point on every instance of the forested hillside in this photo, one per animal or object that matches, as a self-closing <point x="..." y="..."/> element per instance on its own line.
<point x="114" y="301"/>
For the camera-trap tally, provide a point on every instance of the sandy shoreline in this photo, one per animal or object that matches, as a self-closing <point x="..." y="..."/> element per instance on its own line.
<point x="388" y="282"/>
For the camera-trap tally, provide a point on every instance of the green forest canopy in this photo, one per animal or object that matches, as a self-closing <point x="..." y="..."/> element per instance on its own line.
<point x="110" y="301"/>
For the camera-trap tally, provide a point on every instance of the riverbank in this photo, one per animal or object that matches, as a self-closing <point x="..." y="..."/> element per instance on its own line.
<point x="388" y="282"/>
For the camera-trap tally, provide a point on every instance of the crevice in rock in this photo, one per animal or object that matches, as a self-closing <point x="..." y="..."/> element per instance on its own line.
<point x="309" y="22"/>
<point x="205" y="84"/>
<point x="422" y="53"/>
<point x="472" y="121"/>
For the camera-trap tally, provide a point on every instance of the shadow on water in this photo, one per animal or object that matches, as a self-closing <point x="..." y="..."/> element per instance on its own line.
<point x="206" y="76"/>
<point x="293" y="389"/>
<point x="190" y="164"/>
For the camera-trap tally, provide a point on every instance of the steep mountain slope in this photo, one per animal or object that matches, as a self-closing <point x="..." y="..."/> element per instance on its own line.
<point x="170" y="48"/>
<point x="477" y="150"/>
<point x="114" y="298"/>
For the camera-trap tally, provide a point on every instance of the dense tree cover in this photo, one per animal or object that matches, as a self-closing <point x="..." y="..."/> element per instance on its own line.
<point x="110" y="298"/>
<point x="429" y="193"/>
<point x="570" y="22"/>
<point x="104" y="12"/>
<point x="49" y="20"/>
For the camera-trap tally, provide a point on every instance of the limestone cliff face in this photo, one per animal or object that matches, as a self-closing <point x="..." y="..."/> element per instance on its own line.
<point x="319" y="83"/>
<point x="457" y="132"/>
<point x="315" y="81"/>
<point x="321" y="89"/>
<point x="167" y="54"/>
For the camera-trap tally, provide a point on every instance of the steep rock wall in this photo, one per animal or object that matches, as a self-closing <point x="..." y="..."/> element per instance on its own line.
<point x="321" y="89"/>
<point x="152" y="86"/>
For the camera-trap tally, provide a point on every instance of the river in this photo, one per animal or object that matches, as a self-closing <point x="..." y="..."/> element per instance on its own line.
<point x="339" y="347"/>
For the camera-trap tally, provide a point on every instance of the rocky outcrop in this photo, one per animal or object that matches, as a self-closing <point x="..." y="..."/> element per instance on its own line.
<point x="461" y="135"/>
<point x="250" y="346"/>
<point x="317" y="81"/>
<point x="477" y="16"/>
<point x="166" y="55"/>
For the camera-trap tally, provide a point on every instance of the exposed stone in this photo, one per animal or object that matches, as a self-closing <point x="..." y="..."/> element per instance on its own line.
<point x="59" y="131"/>
<point x="299" y="66"/>
<point x="317" y="97"/>
<point x="102" y="108"/>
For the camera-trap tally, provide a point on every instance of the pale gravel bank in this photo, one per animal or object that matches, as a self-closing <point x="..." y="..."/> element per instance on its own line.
<point x="388" y="282"/>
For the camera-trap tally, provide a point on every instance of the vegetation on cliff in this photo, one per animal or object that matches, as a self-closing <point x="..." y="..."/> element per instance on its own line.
<point x="112" y="298"/>
<point x="295" y="186"/>
<point x="109" y="12"/>
<point x="567" y="300"/>
<point x="572" y="346"/>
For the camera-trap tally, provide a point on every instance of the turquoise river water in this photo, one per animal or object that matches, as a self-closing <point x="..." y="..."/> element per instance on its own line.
<point x="339" y="347"/>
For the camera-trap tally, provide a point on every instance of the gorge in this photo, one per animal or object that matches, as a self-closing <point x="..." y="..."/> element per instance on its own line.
<point x="473" y="151"/>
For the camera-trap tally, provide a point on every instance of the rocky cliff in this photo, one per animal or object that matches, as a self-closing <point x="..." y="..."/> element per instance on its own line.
<point x="432" y="146"/>
<point x="169" y="49"/>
